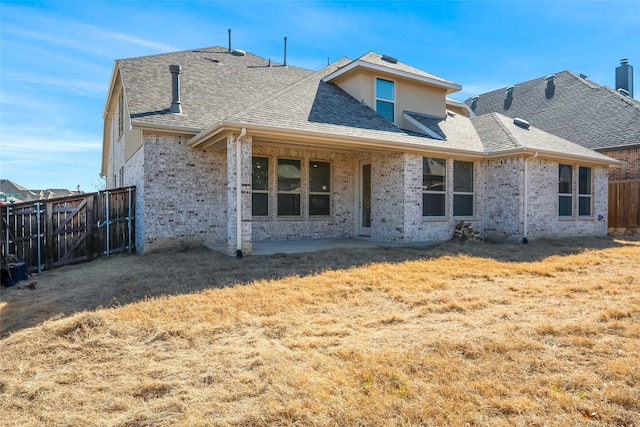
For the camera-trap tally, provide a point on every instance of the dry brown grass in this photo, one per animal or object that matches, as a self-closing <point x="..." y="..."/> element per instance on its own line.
<point x="478" y="334"/>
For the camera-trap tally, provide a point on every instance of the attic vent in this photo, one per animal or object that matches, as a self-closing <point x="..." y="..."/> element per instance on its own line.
<point x="475" y="98"/>
<point x="238" y="52"/>
<point x="510" y="89"/>
<point x="549" y="78"/>
<point x="583" y="76"/>
<point x="624" y="92"/>
<point x="389" y="59"/>
<point x="522" y="123"/>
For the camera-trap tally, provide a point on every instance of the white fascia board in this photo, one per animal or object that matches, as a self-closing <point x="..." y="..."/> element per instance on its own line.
<point x="165" y="128"/>
<point x="422" y="127"/>
<point x="553" y="155"/>
<point x="451" y="87"/>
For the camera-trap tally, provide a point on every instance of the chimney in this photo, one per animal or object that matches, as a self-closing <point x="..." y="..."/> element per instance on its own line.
<point x="624" y="77"/>
<point x="175" y="89"/>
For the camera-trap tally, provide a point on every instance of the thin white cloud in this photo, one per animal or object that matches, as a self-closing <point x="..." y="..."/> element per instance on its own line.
<point x="18" y="145"/>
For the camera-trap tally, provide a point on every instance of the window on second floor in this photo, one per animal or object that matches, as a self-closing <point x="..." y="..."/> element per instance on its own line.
<point x="385" y="99"/>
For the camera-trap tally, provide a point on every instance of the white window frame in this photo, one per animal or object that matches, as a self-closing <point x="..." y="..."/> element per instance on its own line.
<point x="318" y="193"/>
<point x="267" y="191"/>
<point x="443" y="192"/>
<point x="389" y="101"/>
<point x="566" y="195"/>
<point x="588" y="195"/>
<point x="464" y="193"/>
<point x="297" y="191"/>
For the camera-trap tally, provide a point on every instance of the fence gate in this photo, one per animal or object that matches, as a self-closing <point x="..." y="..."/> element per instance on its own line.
<point x="55" y="232"/>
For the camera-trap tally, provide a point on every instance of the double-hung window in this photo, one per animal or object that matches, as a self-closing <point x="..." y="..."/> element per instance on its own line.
<point x="385" y="99"/>
<point x="584" y="191"/>
<point x="565" y="190"/>
<point x="319" y="188"/>
<point x="260" y="186"/>
<point x="433" y="186"/>
<point x="289" y="187"/>
<point x="462" y="188"/>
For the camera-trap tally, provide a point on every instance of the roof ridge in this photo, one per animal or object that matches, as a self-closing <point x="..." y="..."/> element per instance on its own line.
<point x="284" y="90"/>
<point x="498" y="118"/>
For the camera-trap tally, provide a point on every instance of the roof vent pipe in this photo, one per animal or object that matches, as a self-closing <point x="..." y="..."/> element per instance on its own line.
<point x="229" y="51"/>
<point x="510" y="89"/>
<point x="284" y="64"/>
<point x="176" y="107"/>
<point x="549" y="78"/>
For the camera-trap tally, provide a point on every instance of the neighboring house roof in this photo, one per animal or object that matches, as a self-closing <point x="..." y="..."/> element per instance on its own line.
<point x="10" y="187"/>
<point x="570" y="107"/>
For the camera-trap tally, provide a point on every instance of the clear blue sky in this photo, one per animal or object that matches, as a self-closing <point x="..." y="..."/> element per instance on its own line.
<point x="57" y="57"/>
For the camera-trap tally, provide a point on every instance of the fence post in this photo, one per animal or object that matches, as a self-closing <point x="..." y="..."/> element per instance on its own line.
<point x="38" y="236"/>
<point x="6" y="251"/>
<point x="129" y="222"/>
<point x="89" y="228"/>
<point x="50" y="251"/>
<point x="107" y="221"/>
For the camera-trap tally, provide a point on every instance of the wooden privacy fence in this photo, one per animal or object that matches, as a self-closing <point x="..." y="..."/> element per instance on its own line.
<point x="55" y="232"/>
<point x="624" y="204"/>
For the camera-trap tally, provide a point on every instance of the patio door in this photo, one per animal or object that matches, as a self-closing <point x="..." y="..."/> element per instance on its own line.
<point x="364" y="223"/>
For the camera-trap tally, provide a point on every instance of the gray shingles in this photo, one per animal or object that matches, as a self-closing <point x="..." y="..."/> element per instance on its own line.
<point x="214" y="84"/>
<point x="218" y="87"/>
<point x="573" y="108"/>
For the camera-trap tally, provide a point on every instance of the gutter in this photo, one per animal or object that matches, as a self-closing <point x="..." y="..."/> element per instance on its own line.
<point x="525" y="239"/>
<point x="243" y="132"/>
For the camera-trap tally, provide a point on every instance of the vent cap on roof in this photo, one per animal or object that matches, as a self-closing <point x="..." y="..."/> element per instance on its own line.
<point x="510" y="89"/>
<point x="390" y="59"/>
<point x="624" y="92"/>
<point x="521" y="122"/>
<point x="238" y="52"/>
<point x="549" y="78"/>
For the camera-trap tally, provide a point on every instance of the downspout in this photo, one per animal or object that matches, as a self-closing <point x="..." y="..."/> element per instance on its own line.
<point x="243" y="132"/>
<point x="525" y="239"/>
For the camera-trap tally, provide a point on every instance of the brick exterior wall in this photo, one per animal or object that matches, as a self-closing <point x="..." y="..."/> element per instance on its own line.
<point x="630" y="167"/>
<point x="186" y="195"/>
<point x="341" y="222"/>
<point x="503" y="186"/>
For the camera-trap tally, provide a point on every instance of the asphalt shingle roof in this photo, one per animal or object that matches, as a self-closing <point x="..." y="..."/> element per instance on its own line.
<point x="500" y="133"/>
<point x="213" y="85"/>
<point x="218" y="87"/>
<point x="571" y="107"/>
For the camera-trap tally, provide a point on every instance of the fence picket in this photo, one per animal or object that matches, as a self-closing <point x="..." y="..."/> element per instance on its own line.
<point x="61" y="231"/>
